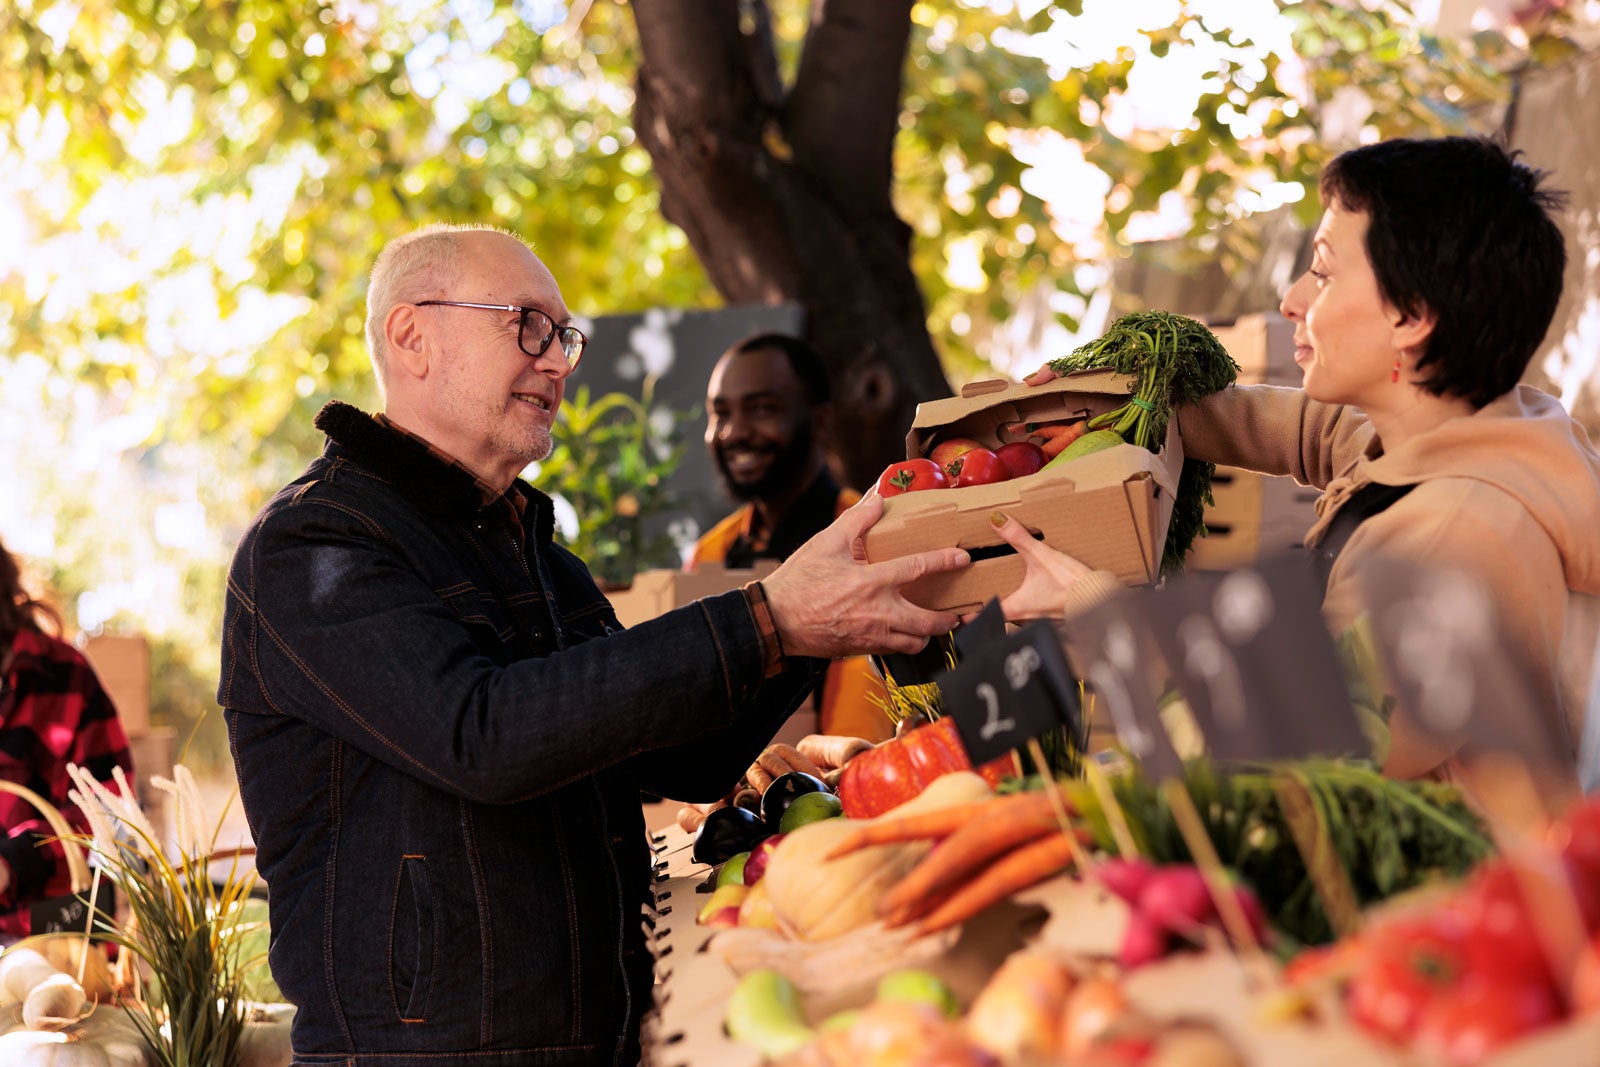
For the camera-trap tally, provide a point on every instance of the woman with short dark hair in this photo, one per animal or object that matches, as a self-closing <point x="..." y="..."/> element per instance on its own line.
<point x="1435" y="273"/>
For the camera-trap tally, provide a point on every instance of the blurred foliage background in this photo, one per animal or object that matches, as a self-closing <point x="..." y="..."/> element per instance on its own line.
<point x="196" y="188"/>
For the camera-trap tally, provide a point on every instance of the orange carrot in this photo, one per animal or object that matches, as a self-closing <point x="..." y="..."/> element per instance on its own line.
<point x="758" y="777"/>
<point x="774" y="764"/>
<point x="1058" y="436"/>
<point x="934" y="824"/>
<point x="795" y="759"/>
<point x="1028" y="865"/>
<point x="961" y="856"/>
<point x="832" y="750"/>
<point x="919" y="827"/>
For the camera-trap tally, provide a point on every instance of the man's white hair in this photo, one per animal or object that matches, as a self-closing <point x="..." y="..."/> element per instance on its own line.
<point x="420" y="265"/>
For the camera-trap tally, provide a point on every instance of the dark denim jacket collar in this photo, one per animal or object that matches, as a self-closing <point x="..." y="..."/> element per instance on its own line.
<point x="428" y="482"/>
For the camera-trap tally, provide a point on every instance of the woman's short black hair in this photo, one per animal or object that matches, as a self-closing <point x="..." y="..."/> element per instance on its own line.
<point x="805" y="360"/>
<point x="1459" y="226"/>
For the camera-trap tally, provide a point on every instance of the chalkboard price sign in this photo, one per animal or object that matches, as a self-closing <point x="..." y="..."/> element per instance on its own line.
<point x="1110" y="645"/>
<point x="1007" y="691"/>
<point x="1252" y="656"/>
<point x="1454" y="671"/>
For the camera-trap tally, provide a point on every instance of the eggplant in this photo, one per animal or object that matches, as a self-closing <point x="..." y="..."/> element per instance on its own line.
<point x="726" y="833"/>
<point x="781" y="793"/>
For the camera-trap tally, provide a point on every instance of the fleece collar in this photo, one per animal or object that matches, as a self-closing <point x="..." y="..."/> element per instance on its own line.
<point x="429" y="482"/>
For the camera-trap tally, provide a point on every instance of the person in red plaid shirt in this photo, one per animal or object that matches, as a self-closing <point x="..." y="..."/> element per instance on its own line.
<point x="53" y="711"/>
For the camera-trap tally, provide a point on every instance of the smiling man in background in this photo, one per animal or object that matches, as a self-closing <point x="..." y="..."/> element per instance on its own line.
<point x="769" y="412"/>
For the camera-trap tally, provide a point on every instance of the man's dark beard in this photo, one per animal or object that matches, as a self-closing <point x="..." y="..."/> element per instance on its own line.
<point x="785" y="469"/>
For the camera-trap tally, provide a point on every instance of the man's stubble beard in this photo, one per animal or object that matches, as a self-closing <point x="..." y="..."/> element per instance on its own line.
<point x="787" y="466"/>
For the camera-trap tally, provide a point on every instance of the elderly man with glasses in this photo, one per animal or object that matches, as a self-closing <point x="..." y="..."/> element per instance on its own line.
<point x="439" y="728"/>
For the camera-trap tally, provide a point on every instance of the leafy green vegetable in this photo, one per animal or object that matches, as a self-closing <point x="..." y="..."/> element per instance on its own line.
<point x="1175" y="360"/>
<point x="1390" y="836"/>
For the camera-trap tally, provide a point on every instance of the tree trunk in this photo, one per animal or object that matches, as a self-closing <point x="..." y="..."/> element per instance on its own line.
<point x="785" y="195"/>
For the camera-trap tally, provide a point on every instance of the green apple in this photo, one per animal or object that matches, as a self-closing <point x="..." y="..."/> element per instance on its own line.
<point x="732" y="872"/>
<point x="809" y="808"/>
<point x="919" y="987"/>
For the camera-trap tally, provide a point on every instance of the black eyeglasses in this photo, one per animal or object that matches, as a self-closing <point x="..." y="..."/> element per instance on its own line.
<point x="573" y="341"/>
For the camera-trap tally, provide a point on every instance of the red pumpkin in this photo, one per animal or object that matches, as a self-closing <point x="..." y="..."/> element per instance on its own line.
<point x="901" y="768"/>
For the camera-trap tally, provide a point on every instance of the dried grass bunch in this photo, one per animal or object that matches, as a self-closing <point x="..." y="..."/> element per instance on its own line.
<point x="186" y="929"/>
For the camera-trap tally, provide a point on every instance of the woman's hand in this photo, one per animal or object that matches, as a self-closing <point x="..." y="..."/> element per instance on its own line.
<point x="1048" y="579"/>
<point x="1044" y="374"/>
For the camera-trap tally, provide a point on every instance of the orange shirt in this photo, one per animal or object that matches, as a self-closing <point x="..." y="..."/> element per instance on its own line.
<point x="852" y="694"/>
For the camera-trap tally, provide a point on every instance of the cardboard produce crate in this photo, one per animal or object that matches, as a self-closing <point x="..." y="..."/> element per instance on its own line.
<point x="1109" y="509"/>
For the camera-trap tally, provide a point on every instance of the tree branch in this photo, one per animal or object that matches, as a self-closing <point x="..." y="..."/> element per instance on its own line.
<point x="844" y="109"/>
<point x="694" y="60"/>
<point x="701" y="111"/>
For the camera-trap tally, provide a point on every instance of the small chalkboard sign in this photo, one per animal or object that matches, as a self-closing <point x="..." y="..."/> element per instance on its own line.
<point x="1458" y="676"/>
<point x="1252" y="656"/>
<point x="1111" y="648"/>
<point x="70" y="913"/>
<point x="1010" y="690"/>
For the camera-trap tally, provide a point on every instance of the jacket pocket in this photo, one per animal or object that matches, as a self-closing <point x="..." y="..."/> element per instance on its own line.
<point x="411" y="940"/>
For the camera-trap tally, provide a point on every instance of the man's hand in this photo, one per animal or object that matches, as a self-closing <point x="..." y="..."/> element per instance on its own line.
<point x="828" y="602"/>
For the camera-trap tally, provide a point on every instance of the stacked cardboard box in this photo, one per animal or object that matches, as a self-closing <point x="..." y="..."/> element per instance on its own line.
<point x="123" y="667"/>
<point x="1255" y="514"/>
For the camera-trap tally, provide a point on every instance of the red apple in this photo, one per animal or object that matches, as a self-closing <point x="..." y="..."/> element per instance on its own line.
<point x="1021" y="457"/>
<point x="722" y="919"/>
<point x="949" y="450"/>
<point x="756" y="865"/>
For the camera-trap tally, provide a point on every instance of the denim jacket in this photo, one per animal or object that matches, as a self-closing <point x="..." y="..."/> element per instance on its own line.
<point x="441" y="733"/>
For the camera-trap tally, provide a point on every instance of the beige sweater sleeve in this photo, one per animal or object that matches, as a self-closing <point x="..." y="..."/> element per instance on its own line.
<point x="1274" y="430"/>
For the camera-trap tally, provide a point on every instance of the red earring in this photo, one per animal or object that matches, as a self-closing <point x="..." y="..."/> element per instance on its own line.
<point x="1394" y="375"/>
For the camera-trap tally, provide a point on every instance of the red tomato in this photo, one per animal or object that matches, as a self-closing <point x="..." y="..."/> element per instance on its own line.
<point x="1586" y="981"/>
<point x="1466" y="1023"/>
<point x="1582" y="846"/>
<point x="910" y="475"/>
<point x="1322" y="962"/>
<point x="1502" y="938"/>
<point x="1406" y="964"/>
<point x="979" y="466"/>
<point x="1021" y="457"/>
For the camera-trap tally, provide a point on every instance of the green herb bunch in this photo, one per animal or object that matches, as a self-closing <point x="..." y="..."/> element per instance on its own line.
<point x="1390" y="836"/>
<point x="1174" y="360"/>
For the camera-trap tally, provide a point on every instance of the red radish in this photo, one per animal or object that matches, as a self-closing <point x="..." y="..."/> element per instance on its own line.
<point x="1176" y="898"/>
<point x="1145" y="941"/>
<point x="1125" y="878"/>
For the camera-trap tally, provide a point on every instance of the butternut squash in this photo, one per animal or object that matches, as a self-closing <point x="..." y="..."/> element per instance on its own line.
<point x="815" y="898"/>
